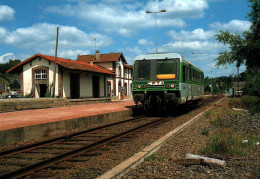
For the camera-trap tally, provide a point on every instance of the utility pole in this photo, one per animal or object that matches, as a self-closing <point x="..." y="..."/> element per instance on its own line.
<point x="55" y="64"/>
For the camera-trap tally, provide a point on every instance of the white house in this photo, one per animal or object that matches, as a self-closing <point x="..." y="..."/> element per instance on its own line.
<point x="74" y="79"/>
<point x="120" y="85"/>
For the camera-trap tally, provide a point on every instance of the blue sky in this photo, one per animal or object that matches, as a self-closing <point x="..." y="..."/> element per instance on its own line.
<point x="28" y="27"/>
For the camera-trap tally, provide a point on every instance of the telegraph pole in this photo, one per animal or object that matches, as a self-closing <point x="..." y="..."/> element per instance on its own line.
<point x="55" y="64"/>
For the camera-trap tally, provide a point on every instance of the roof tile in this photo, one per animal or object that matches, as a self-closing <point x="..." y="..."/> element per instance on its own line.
<point x="109" y="57"/>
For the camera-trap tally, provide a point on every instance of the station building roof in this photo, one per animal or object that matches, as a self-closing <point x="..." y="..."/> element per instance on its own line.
<point x="66" y="63"/>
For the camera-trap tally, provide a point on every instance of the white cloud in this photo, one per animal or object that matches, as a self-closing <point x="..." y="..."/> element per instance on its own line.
<point x="144" y="42"/>
<point x="187" y="48"/>
<point x="5" y="57"/>
<point x="203" y="41"/>
<point x="42" y="38"/>
<point x="6" y="13"/>
<point x="179" y="8"/>
<point x="129" y="17"/>
<point x="235" y="26"/>
<point x="135" y="50"/>
<point x="71" y="54"/>
<point x="197" y="34"/>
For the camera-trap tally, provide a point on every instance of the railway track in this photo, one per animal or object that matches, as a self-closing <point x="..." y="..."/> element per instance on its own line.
<point x="24" y="161"/>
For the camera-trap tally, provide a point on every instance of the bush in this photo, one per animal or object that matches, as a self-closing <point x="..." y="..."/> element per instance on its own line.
<point x="252" y="85"/>
<point x="48" y="95"/>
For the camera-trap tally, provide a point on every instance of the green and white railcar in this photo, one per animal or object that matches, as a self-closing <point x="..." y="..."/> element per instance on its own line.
<point x="161" y="78"/>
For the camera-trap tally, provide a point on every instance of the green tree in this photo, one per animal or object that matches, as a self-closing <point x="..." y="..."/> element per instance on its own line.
<point x="252" y="85"/>
<point x="245" y="48"/>
<point x="6" y="66"/>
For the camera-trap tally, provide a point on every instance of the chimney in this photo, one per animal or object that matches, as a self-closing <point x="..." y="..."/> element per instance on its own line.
<point x="97" y="55"/>
<point x="91" y="62"/>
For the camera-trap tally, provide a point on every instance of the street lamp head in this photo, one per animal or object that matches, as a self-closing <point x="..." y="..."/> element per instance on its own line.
<point x="148" y="12"/>
<point x="164" y="10"/>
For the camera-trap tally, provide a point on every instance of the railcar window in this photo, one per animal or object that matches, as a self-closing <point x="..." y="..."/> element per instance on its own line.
<point x="189" y="73"/>
<point x="184" y="73"/>
<point x="166" y="66"/>
<point x="142" y="70"/>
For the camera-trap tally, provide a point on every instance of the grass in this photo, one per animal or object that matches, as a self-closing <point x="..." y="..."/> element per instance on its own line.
<point x="225" y="142"/>
<point x="225" y="137"/>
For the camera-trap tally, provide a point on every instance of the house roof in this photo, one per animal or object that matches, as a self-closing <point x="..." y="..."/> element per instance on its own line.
<point x="66" y="63"/>
<point x="128" y="66"/>
<point x="108" y="57"/>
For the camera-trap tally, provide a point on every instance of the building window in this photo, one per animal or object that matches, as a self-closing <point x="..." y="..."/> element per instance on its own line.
<point x="119" y="71"/>
<point x="40" y="74"/>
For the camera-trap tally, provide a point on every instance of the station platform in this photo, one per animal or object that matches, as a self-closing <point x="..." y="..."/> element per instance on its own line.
<point x="32" y="124"/>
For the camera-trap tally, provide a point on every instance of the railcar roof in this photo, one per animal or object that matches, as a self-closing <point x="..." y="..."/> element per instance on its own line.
<point x="154" y="56"/>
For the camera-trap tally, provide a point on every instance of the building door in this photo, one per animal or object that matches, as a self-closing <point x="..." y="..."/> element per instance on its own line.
<point x="109" y="88"/>
<point x="125" y="89"/>
<point x="43" y="90"/>
<point x="74" y="85"/>
<point x="119" y="90"/>
<point x="95" y="85"/>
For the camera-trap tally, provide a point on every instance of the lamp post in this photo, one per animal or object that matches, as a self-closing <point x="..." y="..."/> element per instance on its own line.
<point x="196" y="54"/>
<point x="155" y="13"/>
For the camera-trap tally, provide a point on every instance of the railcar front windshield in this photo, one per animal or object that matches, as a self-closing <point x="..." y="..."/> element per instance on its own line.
<point x="166" y="66"/>
<point x="142" y="70"/>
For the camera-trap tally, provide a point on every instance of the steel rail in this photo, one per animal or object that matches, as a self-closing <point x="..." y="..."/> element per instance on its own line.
<point x="58" y="139"/>
<point x="48" y="162"/>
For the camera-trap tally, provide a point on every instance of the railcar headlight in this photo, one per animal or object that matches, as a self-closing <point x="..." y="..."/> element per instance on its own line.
<point x="144" y="86"/>
<point x="139" y="86"/>
<point x="167" y="86"/>
<point x="172" y="85"/>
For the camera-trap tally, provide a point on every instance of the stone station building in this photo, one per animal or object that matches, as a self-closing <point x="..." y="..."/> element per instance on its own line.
<point x="90" y="76"/>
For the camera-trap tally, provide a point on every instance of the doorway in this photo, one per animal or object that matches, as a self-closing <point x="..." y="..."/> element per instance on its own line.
<point x="43" y="90"/>
<point x="74" y="86"/>
<point x="95" y="85"/>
